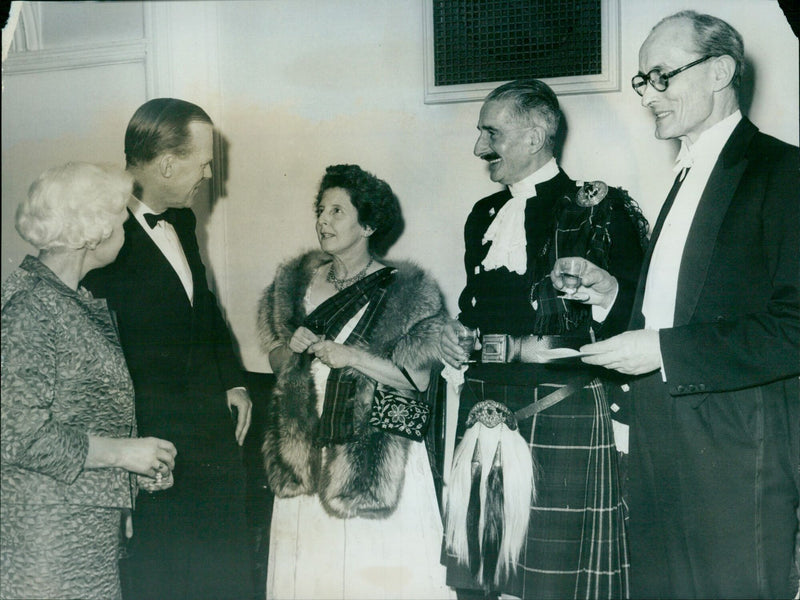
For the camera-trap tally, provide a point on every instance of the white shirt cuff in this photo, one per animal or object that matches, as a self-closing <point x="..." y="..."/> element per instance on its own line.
<point x="663" y="369"/>
<point x="599" y="314"/>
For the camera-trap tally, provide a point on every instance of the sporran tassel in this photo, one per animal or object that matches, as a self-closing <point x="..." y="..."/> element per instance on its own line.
<point x="493" y="520"/>
<point x="459" y="495"/>
<point x="519" y="493"/>
<point x="474" y="513"/>
<point x="496" y="499"/>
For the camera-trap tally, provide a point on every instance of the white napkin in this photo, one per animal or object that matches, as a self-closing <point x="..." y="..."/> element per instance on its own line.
<point x="453" y="376"/>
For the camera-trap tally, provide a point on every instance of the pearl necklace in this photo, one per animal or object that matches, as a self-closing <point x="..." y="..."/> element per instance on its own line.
<point x="341" y="284"/>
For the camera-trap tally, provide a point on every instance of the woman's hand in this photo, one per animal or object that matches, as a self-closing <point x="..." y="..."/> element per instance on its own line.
<point x="299" y="343"/>
<point x="302" y="338"/>
<point x="382" y="370"/>
<point x="336" y="356"/>
<point x="155" y="484"/>
<point x="151" y="457"/>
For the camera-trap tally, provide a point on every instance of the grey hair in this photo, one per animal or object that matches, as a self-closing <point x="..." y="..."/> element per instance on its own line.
<point x="532" y="102"/>
<point x="714" y="37"/>
<point x="73" y="206"/>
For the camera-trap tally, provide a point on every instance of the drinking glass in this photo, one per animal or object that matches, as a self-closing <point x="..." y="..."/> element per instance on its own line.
<point x="466" y="339"/>
<point x="571" y="273"/>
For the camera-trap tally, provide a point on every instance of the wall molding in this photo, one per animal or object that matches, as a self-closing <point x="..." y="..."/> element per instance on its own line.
<point x="152" y="51"/>
<point x="26" y="19"/>
<point x="76" y="57"/>
<point x="158" y="63"/>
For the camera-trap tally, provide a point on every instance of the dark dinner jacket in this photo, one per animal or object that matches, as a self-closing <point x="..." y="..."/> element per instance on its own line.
<point x="180" y="355"/>
<point x="719" y="441"/>
<point x="737" y="313"/>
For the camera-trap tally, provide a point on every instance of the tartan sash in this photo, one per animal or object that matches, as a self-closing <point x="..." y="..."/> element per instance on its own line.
<point x="328" y="319"/>
<point x="578" y="231"/>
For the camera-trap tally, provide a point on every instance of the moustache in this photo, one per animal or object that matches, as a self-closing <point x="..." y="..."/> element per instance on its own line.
<point x="490" y="156"/>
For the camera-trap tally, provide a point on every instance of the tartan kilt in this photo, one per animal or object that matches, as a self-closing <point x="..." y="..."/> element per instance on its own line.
<point x="576" y="544"/>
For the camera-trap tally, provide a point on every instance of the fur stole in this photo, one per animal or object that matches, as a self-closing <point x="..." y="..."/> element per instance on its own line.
<point x="364" y="477"/>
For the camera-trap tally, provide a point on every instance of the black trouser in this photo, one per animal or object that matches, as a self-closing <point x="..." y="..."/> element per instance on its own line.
<point x="192" y="541"/>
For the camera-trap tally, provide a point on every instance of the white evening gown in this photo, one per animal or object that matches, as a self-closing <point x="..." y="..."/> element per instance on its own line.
<point x="314" y="555"/>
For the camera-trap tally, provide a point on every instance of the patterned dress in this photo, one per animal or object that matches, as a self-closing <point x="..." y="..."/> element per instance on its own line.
<point x="64" y="378"/>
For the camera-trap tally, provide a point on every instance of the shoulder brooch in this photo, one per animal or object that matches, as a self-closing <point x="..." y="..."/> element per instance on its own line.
<point x="591" y="193"/>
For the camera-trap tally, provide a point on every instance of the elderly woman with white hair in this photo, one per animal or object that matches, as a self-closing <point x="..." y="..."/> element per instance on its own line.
<point x="70" y="460"/>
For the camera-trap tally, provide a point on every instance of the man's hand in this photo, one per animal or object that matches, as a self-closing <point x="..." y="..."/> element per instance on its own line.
<point x="449" y="349"/>
<point x="239" y="398"/>
<point x="633" y="352"/>
<point x="598" y="286"/>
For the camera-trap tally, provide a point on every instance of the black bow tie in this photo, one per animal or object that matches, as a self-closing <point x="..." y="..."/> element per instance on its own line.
<point x="153" y="219"/>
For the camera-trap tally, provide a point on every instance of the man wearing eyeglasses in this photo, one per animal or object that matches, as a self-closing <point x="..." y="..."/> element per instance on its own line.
<point x="714" y="336"/>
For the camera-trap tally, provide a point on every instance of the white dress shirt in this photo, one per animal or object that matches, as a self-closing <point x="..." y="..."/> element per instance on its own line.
<point x="165" y="237"/>
<point x="661" y="287"/>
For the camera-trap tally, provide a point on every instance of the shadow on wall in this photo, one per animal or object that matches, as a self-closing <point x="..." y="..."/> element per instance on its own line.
<point x="561" y="137"/>
<point x="747" y="86"/>
<point x="211" y="196"/>
<point x="204" y="206"/>
<point x="221" y="153"/>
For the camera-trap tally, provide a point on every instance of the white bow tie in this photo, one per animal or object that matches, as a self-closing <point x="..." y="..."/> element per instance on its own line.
<point x="684" y="160"/>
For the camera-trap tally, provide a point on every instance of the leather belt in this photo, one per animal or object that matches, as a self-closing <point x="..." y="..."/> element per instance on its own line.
<point x="553" y="398"/>
<point x="502" y="348"/>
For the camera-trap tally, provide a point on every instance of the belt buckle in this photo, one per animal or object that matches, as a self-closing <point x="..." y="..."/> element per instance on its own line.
<point x="494" y="348"/>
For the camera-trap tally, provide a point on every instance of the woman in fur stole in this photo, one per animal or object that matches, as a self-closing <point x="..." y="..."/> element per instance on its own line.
<point x="355" y="513"/>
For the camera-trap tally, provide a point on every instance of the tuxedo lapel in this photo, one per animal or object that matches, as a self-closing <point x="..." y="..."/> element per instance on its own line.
<point x="146" y="255"/>
<point x="711" y="211"/>
<point x="142" y="247"/>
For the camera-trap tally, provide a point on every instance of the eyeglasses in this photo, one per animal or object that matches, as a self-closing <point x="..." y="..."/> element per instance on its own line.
<point x="660" y="80"/>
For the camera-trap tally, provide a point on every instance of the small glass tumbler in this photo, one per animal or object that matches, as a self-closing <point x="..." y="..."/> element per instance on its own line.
<point x="571" y="272"/>
<point x="466" y="339"/>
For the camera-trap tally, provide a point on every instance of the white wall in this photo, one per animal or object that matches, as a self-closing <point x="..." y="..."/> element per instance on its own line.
<point x="296" y="85"/>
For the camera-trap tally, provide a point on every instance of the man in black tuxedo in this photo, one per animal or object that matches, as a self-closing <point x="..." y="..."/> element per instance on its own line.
<point x="190" y="542"/>
<point x="714" y="336"/>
